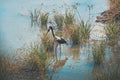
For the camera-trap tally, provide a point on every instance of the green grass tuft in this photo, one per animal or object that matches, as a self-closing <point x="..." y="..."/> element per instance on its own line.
<point x="98" y="51"/>
<point x="85" y="29"/>
<point x="59" y="20"/>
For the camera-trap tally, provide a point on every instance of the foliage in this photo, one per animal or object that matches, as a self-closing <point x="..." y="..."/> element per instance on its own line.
<point x="111" y="72"/>
<point x="98" y="51"/>
<point x="59" y="19"/>
<point x="43" y="18"/>
<point x="3" y="67"/>
<point x="75" y="37"/>
<point x="69" y="18"/>
<point x="111" y="30"/>
<point x="47" y="41"/>
<point x="34" y="15"/>
<point x="85" y="29"/>
<point x="37" y="57"/>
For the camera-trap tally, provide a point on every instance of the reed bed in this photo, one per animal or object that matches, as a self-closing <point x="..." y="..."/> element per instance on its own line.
<point x="85" y="29"/>
<point x="47" y="41"/>
<point x="43" y="19"/>
<point x="36" y="58"/>
<point x="110" y="72"/>
<point x="3" y="67"/>
<point x="8" y="68"/>
<point x="112" y="32"/>
<point x="59" y="33"/>
<point x="78" y="33"/>
<point x="59" y="20"/>
<point x="68" y="31"/>
<point x="34" y="15"/>
<point x="39" y="18"/>
<point x="98" y="52"/>
<point x="75" y="36"/>
<point x="69" y="18"/>
<point x="114" y="4"/>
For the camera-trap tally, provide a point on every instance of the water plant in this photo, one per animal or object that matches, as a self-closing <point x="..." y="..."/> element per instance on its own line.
<point x="85" y="29"/>
<point x="34" y="15"/>
<point x="110" y="72"/>
<point x="69" y="18"/>
<point x="3" y="67"/>
<point x="112" y="32"/>
<point x="47" y="41"/>
<point x="43" y="19"/>
<point x="75" y="36"/>
<point x="59" y="19"/>
<point x="36" y="58"/>
<point x="68" y="31"/>
<point x="98" y="52"/>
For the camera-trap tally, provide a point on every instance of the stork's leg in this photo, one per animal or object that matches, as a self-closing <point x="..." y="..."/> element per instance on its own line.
<point x="60" y="50"/>
<point x="55" y="50"/>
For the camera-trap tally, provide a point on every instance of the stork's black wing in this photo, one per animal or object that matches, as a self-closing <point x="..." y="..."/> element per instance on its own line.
<point x="61" y="41"/>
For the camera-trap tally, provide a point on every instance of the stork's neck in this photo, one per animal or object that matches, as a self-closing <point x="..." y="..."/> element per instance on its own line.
<point x="53" y="33"/>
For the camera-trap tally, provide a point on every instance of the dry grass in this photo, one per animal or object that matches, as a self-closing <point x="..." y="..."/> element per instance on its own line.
<point x="68" y="31"/>
<point x="110" y="72"/>
<point x="114" y="4"/>
<point x="75" y="36"/>
<point x="8" y="68"/>
<point x="47" y="41"/>
<point x="59" y="33"/>
<point x="72" y="32"/>
<point x="36" y="58"/>
<point x="3" y="68"/>
<point x="78" y="33"/>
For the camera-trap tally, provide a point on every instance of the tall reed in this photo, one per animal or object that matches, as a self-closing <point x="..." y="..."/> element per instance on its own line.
<point x="36" y="58"/>
<point x="43" y="19"/>
<point x="85" y="29"/>
<point x="59" y="19"/>
<point x="110" y="72"/>
<point x="34" y="15"/>
<point x="75" y="36"/>
<point x="3" y="68"/>
<point x="98" y="52"/>
<point x="47" y="41"/>
<point x="69" y="18"/>
<point x="112" y="32"/>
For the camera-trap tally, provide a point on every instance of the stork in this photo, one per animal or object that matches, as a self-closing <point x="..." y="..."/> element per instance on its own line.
<point x="57" y="39"/>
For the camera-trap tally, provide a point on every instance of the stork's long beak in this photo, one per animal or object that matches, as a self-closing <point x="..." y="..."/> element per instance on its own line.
<point x="48" y="31"/>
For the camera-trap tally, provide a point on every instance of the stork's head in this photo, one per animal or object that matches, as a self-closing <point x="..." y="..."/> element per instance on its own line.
<point x="49" y="28"/>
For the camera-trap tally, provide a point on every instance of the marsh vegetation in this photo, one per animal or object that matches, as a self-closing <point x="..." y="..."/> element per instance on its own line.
<point x="80" y="56"/>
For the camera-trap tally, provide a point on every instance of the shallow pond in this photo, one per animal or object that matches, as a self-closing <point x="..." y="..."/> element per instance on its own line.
<point x="16" y="32"/>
